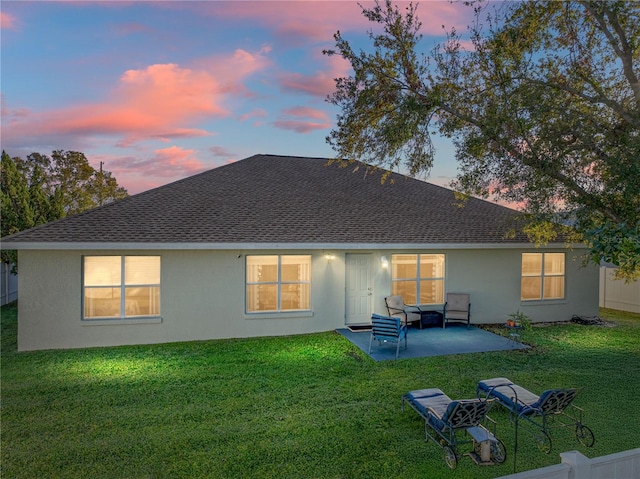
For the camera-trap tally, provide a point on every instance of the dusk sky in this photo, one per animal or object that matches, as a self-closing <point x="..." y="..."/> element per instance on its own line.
<point x="162" y="90"/>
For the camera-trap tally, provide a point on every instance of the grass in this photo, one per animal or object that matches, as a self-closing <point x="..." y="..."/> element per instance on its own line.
<point x="311" y="406"/>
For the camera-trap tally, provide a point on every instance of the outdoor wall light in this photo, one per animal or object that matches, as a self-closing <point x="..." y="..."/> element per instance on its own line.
<point x="329" y="257"/>
<point x="384" y="261"/>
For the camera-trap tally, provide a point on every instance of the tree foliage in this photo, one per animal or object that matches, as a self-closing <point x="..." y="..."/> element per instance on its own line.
<point x="43" y="188"/>
<point x="543" y="109"/>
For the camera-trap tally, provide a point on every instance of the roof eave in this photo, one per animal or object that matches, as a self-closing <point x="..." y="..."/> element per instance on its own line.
<point x="59" y="246"/>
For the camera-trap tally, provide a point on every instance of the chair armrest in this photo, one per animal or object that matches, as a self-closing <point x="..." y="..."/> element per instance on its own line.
<point x="433" y="412"/>
<point x="416" y="309"/>
<point x="512" y="397"/>
<point x="492" y="422"/>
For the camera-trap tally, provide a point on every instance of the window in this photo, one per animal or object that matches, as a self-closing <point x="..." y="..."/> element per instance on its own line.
<point x="278" y="283"/>
<point x="121" y="287"/>
<point x="418" y="278"/>
<point x="542" y="276"/>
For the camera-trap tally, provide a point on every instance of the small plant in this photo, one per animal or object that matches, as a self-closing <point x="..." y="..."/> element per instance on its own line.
<point x="519" y="319"/>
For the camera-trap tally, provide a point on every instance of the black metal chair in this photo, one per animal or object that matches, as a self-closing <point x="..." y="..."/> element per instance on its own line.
<point x="457" y="308"/>
<point x="408" y="314"/>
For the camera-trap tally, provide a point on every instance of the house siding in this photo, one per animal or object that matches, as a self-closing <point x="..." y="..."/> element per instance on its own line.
<point x="493" y="278"/>
<point x="203" y="295"/>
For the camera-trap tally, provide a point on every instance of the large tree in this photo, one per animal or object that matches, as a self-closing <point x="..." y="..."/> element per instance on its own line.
<point x="44" y="188"/>
<point x="543" y="110"/>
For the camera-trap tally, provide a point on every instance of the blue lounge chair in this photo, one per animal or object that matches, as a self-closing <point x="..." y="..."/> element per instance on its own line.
<point x="551" y="406"/>
<point x="444" y="418"/>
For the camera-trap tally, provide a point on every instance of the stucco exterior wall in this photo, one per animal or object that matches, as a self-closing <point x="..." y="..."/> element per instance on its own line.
<point x="492" y="277"/>
<point x="203" y="296"/>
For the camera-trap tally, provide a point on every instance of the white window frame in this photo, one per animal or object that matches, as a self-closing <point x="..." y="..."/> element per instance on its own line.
<point x="279" y="283"/>
<point x="544" y="275"/>
<point x="122" y="287"/>
<point x="419" y="279"/>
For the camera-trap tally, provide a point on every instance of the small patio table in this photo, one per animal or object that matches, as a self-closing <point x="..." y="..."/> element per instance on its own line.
<point x="514" y="333"/>
<point x="430" y="318"/>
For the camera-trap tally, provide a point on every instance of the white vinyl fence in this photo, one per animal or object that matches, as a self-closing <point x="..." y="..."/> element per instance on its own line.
<point x="622" y="465"/>
<point x="8" y="285"/>
<point x="617" y="294"/>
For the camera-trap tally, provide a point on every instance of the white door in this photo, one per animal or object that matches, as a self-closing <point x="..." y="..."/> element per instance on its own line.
<point x="359" y="292"/>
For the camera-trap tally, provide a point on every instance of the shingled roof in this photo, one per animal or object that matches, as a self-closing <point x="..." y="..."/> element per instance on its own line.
<point x="282" y="200"/>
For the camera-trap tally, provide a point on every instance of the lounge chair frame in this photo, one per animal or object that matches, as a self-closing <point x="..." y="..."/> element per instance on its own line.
<point x="445" y="420"/>
<point x="554" y="408"/>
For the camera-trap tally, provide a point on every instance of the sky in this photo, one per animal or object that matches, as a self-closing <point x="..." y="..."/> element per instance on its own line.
<point x="158" y="91"/>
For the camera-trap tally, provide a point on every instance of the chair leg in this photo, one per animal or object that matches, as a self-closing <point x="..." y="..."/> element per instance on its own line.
<point x="398" y="349"/>
<point x="370" y="343"/>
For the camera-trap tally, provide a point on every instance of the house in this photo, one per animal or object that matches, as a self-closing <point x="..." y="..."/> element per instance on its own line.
<point x="278" y="245"/>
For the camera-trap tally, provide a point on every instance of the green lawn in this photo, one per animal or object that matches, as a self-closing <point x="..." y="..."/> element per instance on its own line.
<point x="311" y="406"/>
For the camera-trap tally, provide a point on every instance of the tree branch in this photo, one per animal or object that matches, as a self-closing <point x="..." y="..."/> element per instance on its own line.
<point x="624" y="52"/>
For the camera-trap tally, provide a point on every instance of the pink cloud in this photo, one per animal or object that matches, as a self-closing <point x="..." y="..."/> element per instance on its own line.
<point x="255" y="113"/>
<point x="301" y="120"/>
<point x="304" y="111"/>
<point x="162" y="101"/>
<point x="131" y="124"/>
<point x="435" y="14"/>
<point x="316" y="21"/>
<point x="8" y="22"/>
<point x="300" y="126"/>
<point x="465" y="45"/>
<point x="291" y="22"/>
<point x="171" y="162"/>
<point x="126" y="29"/>
<point x="321" y="83"/>
<point x="11" y="114"/>
<point x="161" y="90"/>
<point x="176" y="160"/>
<point x="220" y="152"/>
<point x="229" y="69"/>
<point x="140" y="173"/>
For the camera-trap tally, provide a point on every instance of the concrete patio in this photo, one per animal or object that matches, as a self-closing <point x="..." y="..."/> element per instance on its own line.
<point x="455" y="339"/>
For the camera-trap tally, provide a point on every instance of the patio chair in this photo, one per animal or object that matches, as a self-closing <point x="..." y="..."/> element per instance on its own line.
<point x="387" y="330"/>
<point x="446" y="419"/>
<point x="543" y="412"/>
<point x="457" y="308"/>
<point x="408" y="314"/>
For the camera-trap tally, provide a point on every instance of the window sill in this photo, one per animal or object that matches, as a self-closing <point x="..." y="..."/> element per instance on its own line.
<point x="281" y="315"/>
<point x="542" y="302"/>
<point x="120" y="322"/>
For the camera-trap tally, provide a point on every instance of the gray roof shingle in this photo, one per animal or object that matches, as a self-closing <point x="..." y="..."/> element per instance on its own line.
<point x="285" y="200"/>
